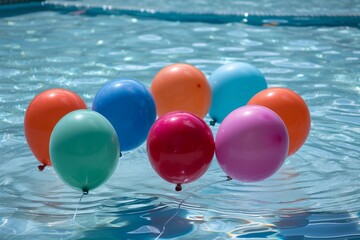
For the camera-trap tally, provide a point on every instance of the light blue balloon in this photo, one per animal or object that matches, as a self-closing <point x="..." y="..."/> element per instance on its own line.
<point x="129" y="107"/>
<point x="233" y="85"/>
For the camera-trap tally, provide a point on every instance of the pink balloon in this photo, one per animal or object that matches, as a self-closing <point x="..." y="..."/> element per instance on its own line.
<point x="252" y="143"/>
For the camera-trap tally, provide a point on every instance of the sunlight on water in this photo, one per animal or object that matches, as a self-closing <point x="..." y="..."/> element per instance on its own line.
<point x="315" y="193"/>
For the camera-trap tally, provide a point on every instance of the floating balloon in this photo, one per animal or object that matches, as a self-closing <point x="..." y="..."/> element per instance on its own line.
<point x="251" y="143"/>
<point x="293" y="111"/>
<point x="41" y="116"/>
<point x="232" y="86"/>
<point x="84" y="149"/>
<point x="130" y="108"/>
<point x="181" y="87"/>
<point x="180" y="147"/>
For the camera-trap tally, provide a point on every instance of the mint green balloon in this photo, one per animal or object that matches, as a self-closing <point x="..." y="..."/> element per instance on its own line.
<point x="233" y="85"/>
<point x="84" y="149"/>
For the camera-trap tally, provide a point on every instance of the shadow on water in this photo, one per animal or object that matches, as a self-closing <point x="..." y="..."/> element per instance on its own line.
<point x="320" y="225"/>
<point x="118" y="220"/>
<point x="143" y="226"/>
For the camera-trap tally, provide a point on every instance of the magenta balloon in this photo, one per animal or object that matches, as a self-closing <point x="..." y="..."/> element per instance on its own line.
<point x="251" y="144"/>
<point x="180" y="147"/>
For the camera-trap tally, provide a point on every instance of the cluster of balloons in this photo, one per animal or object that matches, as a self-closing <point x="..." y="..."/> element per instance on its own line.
<point x="259" y="126"/>
<point x="83" y="145"/>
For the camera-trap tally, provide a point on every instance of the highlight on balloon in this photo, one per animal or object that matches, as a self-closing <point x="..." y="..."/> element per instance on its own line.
<point x="130" y="108"/>
<point x="232" y="87"/>
<point x="181" y="87"/>
<point x="180" y="147"/>
<point x="84" y="149"/>
<point x="41" y="116"/>
<point x="258" y="127"/>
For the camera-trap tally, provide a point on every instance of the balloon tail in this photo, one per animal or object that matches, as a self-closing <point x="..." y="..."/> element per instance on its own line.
<point x="42" y="167"/>
<point x="182" y="202"/>
<point x="178" y="188"/>
<point x="212" y="122"/>
<point x="85" y="192"/>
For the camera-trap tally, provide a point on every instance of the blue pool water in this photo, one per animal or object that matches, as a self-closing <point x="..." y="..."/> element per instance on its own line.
<point x="82" y="45"/>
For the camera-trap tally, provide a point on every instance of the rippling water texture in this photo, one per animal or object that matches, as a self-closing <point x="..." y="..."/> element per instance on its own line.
<point x="314" y="195"/>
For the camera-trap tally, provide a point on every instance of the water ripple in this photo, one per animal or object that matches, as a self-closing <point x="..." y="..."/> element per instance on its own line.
<point x="177" y="50"/>
<point x="313" y="195"/>
<point x="150" y="37"/>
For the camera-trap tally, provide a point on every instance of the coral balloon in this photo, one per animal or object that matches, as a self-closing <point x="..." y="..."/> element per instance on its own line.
<point x="180" y="147"/>
<point x="130" y="108"/>
<point x="232" y="86"/>
<point x="84" y="149"/>
<point x="181" y="87"/>
<point x="251" y="143"/>
<point x="293" y="111"/>
<point x="41" y="116"/>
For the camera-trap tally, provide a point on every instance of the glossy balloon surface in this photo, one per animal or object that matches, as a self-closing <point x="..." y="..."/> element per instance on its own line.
<point x="251" y="143"/>
<point x="181" y="87"/>
<point x="41" y="116"/>
<point x="84" y="149"/>
<point x="232" y="86"/>
<point x="180" y="147"/>
<point x="293" y="111"/>
<point x="130" y="108"/>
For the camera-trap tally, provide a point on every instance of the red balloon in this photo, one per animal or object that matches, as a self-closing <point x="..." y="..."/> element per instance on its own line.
<point x="180" y="147"/>
<point x="41" y="116"/>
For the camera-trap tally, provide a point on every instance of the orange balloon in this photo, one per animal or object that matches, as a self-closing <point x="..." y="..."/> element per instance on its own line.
<point x="293" y="111"/>
<point x="41" y="116"/>
<point x="181" y="87"/>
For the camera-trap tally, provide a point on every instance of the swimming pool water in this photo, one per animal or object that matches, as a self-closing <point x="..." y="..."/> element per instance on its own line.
<point x="310" y="7"/>
<point x="315" y="193"/>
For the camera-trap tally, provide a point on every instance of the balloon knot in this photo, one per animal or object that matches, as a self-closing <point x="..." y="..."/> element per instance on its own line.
<point x="41" y="167"/>
<point x="85" y="191"/>
<point x="120" y="154"/>
<point x="228" y="178"/>
<point x="178" y="188"/>
<point x="212" y="122"/>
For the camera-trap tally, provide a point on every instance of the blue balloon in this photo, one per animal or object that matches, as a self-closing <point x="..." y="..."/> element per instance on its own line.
<point x="233" y="85"/>
<point x="129" y="107"/>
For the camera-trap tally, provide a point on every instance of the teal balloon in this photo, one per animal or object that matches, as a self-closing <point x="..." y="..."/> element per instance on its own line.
<point x="84" y="149"/>
<point x="233" y="85"/>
